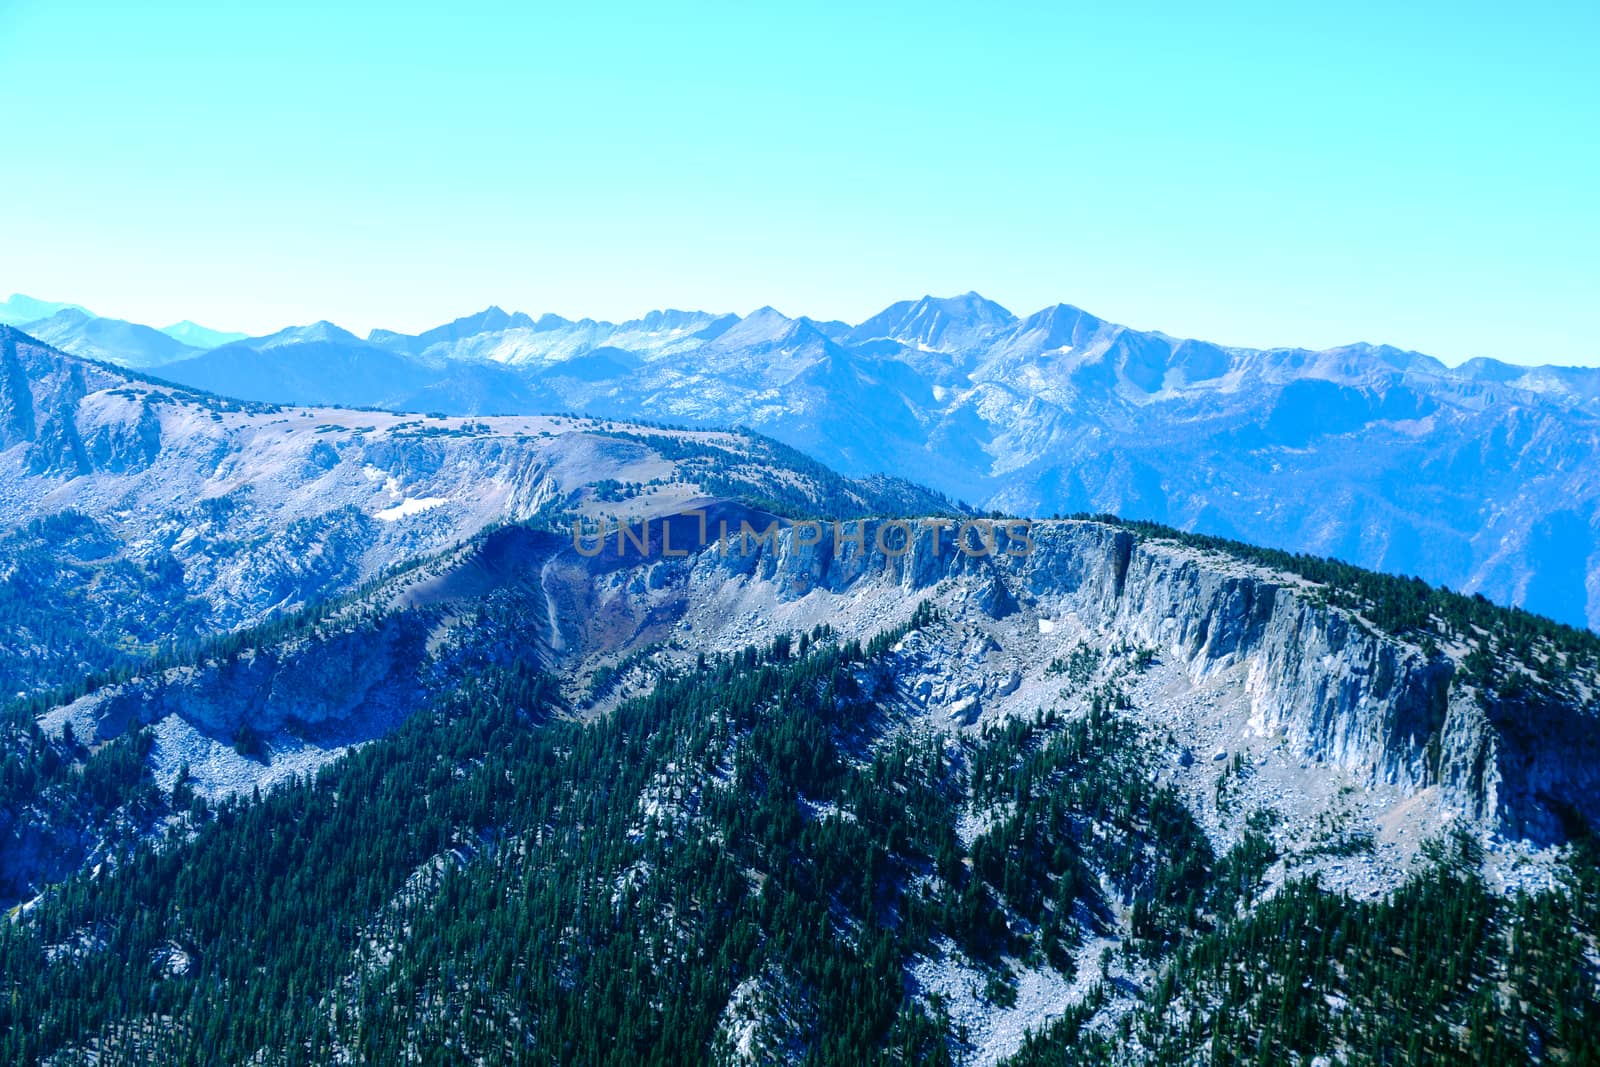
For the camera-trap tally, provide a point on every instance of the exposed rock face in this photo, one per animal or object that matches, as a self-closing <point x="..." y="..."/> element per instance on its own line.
<point x="1338" y="691"/>
<point x="1538" y="765"/>
<point x="366" y="675"/>
<point x="1264" y="664"/>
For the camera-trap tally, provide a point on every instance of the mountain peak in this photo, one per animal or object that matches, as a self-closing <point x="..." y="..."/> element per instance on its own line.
<point x="320" y="331"/>
<point x="937" y="323"/>
<point x="20" y="308"/>
<point x="67" y="316"/>
<point x="491" y="319"/>
<point x="193" y="334"/>
<point x="762" y="325"/>
<point x="970" y="303"/>
<point x="1058" y="316"/>
<point x="129" y="344"/>
<point x="765" y="328"/>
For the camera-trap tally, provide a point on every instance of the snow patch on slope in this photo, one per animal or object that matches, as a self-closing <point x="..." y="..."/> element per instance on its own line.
<point x="409" y="506"/>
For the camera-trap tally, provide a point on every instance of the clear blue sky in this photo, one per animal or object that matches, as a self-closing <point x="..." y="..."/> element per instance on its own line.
<point x="1260" y="174"/>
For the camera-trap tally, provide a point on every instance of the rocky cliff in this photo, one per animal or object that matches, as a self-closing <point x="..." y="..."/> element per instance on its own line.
<point x="1339" y="692"/>
<point x="1237" y="658"/>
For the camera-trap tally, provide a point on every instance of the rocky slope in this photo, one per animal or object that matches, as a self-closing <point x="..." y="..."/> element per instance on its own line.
<point x="210" y="514"/>
<point x="1249" y="675"/>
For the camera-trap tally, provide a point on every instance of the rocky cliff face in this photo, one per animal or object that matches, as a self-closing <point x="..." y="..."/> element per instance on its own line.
<point x="1238" y="660"/>
<point x="1237" y="690"/>
<point x="1319" y="678"/>
<point x="317" y="687"/>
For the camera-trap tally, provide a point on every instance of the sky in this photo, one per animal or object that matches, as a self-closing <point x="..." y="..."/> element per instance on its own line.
<point x="1421" y="175"/>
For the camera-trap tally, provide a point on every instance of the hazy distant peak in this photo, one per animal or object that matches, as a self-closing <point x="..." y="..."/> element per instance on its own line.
<point x="936" y="323"/>
<point x="763" y="325"/>
<point x="492" y="319"/>
<point x="549" y="321"/>
<point x="79" y="333"/>
<point x="20" y="308"/>
<point x="671" y="319"/>
<point x="1058" y="327"/>
<point x="1481" y="368"/>
<point x="197" y="336"/>
<point x="67" y="316"/>
<point x="1059" y="314"/>
<point x="971" y="305"/>
<point x="321" y="331"/>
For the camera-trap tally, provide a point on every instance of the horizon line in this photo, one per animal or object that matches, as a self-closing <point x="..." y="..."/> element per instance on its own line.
<point x="61" y="306"/>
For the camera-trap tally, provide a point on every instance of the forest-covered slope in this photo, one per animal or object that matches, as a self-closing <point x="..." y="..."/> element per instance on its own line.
<point x="765" y="859"/>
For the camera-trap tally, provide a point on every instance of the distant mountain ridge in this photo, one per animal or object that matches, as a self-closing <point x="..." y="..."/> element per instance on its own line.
<point x="110" y="340"/>
<point x="75" y="329"/>
<point x="197" y="336"/>
<point x="19" y="308"/>
<point x="1483" y="477"/>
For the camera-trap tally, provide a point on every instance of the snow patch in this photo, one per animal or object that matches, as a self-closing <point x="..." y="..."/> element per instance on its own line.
<point x="411" y="505"/>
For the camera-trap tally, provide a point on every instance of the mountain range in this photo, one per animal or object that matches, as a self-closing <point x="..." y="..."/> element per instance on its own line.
<point x="1484" y="477"/>
<point x="332" y="743"/>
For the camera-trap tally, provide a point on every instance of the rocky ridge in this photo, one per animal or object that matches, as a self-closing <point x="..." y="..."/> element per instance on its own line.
<point x="1236" y="660"/>
<point x="222" y="515"/>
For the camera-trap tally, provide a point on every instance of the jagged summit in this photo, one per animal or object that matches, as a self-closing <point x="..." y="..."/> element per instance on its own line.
<point x="490" y="320"/>
<point x="937" y="324"/>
